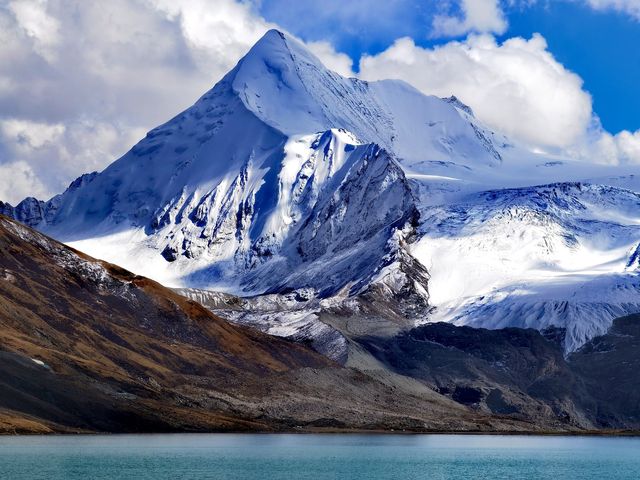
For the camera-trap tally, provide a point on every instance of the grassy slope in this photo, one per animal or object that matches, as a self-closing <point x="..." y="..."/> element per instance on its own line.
<point x="123" y="353"/>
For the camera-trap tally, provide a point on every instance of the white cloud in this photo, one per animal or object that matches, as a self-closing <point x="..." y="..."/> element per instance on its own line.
<point x="37" y="24"/>
<point x="30" y="135"/>
<point x="236" y="28"/>
<point x="478" y="16"/>
<point x="487" y="16"/>
<point x="18" y="176"/>
<point x="338" y="62"/>
<point x="516" y="87"/>
<point x="623" y="147"/>
<point x="218" y="36"/>
<point x="631" y="7"/>
<point x="629" y="145"/>
<point x="36" y="155"/>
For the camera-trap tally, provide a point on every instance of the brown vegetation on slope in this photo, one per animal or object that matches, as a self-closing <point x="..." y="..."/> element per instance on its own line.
<point x="88" y="346"/>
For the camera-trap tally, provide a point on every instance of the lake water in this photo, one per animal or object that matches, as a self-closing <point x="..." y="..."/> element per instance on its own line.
<point x="265" y="457"/>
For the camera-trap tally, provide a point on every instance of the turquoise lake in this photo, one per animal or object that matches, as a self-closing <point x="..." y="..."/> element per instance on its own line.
<point x="264" y="457"/>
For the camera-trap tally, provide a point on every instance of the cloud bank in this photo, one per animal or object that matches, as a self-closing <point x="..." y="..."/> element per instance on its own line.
<point x="631" y="7"/>
<point x="480" y="16"/>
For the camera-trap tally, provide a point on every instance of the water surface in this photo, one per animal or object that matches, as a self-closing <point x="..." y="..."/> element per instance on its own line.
<point x="317" y="457"/>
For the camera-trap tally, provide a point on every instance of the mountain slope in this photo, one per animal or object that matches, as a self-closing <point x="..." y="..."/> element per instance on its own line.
<point x="82" y="340"/>
<point x="521" y="373"/>
<point x="555" y="255"/>
<point x="230" y="184"/>
<point x="88" y="346"/>
<point x="286" y="176"/>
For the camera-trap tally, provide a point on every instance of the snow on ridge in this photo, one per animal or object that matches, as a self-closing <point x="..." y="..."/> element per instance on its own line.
<point x="553" y="255"/>
<point x="286" y="176"/>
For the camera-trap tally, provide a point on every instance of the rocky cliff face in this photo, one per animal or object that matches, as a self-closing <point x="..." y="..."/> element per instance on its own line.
<point x="524" y="374"/>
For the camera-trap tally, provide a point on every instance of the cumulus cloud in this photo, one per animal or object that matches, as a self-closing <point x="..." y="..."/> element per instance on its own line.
<point x="621" y="148"/>
<point x="478" y="16"/>
<point x="30" y="135"/>
<point x="631" y="7"/>
<point x="76" y="78"/>
<point x="517" y="87"/>
<point x="38" y="155"/>
<point x="37" y="24"/>
<point x="336" y="61"/>
<point x="218" y="36"/>
<point x="21" y="143"/>
<point x="19" y="176"/>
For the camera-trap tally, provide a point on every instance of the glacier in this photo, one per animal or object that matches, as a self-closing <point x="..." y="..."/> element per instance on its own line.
<point x="286" y="177"/>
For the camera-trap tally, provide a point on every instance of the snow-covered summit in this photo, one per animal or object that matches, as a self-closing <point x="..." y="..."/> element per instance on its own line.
<point x="225" y="186"/>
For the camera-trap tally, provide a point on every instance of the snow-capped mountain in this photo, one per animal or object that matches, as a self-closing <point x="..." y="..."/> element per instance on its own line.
<point x="562" y="255"/>
<point x="286" y="176"/>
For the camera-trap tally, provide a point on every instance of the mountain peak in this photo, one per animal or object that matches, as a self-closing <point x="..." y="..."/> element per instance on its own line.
<point x="273" y="42"/>
<point x="273" y="81"/>
<point x="208" y="197"/>
<point x="277" y="50"/>
<point x="273" y="35"/>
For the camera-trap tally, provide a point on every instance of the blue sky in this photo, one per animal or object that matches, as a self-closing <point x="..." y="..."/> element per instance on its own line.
<point x="600" y="45"/>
